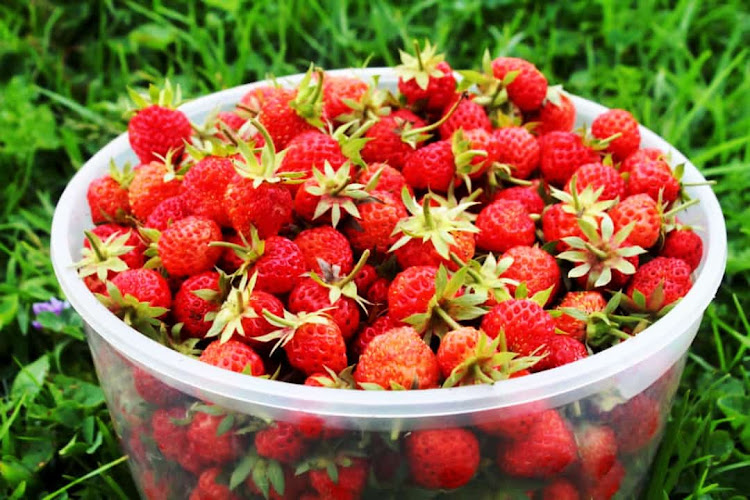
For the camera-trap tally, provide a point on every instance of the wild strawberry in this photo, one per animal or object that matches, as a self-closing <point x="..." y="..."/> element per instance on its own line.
<point x="139" y="296"/>
<point x="231" y="120"/>
<point x="635" y="423"/>
<point x="156" y="128"/>
<point x="184" y="246"/>
<point x="432" y="233"/>
<point x="107" y="250"/>
<point x="560" y="489"/>
<point x="529" y="196"/>
<point x="310" y="296"/>
<point x="337" y="477"/>
<point x="399" y="358"/>
<point x="377" y="294"/>
<point x="488" y="279"/>
<point x="168" y="212"/>
<point x="518" y="150"/>
<point x="393" y="137"/>
<point x="293" y="484"/>
<point x="280" y="266"/>
<point x="683" y="244"/>
<point x="326" y="244"/>
<point x="528" y="88"/>
<point x="632" y="160"/>
<point x="534" y="267"/>
<point x="310" y="151"/>
<point x="556" y="116"/>
<point x="280" y="441"/>
<point x="617" y="121"/>
<point x="597" y="448"/>
<point x="512" y="423"/>
<point x="374" y="229"/>
<point x="107" y="196"/>
<point x="659" y="283"/>
<point x="525" y="324"/>
<point x="153" y="390"/>
<point x="561" y="153"/>
<point x="235" y="356"/>
<point x="256" y="97"/>
<point x="152" y="183"/>
<point x="205" y="185"/>
<point x="170" y="438"/>
<point x="561" y="220"/>
<point x="504" y="224"/>
<point x="599" y="176"/>
<point x="389" y="179"/>
<point x="208" y="443"/>
<point x="425" y="79"/>
<point x="211" y="488"/>
<point x="652" y="177"/>
<point x="376" y="328"/>
<point x="559" y="350"/>
<point x="289" y="113"/>
<point x="431" y="167"/>
<point x="411" y="291"/>
<point x="190" y="308"/>
<point x="365" y="277"/>
<point x="313" y="343"/>
<point x="547" y="450"/>
<point x="585" y="302"/>
<point x="463" y="114"/>
<point x="609" y="485"/>
<point x="328" y="196"/>
<point x="338" y="92"/>
<point x="442" y="459"/>
<point x="643" y="212"/>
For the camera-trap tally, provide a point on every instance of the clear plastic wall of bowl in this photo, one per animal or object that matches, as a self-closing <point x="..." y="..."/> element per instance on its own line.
<point x="142" y="377"/>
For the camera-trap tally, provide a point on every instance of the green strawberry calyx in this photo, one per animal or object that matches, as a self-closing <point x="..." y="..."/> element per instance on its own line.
<point x="486" y="277"/>
<point x="421" y="66"/>
<point x="341" y="286"/>
<point x="308" y="103"/>
<point x="103" y="257"/>
<point x="167" y="97"/>
<point x="338" y="193"/>
<point x="266" y="167"/>
<point x="140" y="315"/>
<point x="289" y="323"/>
<point x="235" y="307"/>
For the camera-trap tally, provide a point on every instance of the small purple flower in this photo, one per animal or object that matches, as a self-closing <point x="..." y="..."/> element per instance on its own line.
<point x="53" y="305"/>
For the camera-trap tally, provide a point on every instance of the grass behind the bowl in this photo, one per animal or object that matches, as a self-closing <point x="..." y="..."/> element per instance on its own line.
<point x="680" y="67"/>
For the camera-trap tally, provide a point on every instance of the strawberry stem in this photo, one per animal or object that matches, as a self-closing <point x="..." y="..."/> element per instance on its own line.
<point x="432" y="126"/>
<point x="447" y="318"/>
<point x="353" y="274"/>
<point x="94" y="241"/>
<point x="418" y="51"/>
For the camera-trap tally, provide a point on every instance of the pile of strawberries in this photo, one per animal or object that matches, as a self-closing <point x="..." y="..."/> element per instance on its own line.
<point x="458" y="232"/>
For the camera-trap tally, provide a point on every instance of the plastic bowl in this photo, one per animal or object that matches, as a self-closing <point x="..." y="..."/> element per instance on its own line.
<point x="627" y="388"/>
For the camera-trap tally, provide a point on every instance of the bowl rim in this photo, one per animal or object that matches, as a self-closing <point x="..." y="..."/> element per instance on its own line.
<point x="210" y="382"/>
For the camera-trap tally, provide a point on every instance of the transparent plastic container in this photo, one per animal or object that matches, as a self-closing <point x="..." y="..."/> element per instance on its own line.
<point x="191" y="428"/>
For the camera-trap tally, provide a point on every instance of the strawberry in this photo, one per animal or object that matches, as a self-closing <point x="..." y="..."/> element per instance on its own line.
<point x="645" y="154"/>
<point x="463" y="114"/>
<point x="339" y="92"/>
<point x="156" y="128"/>
<point x="365" y="277"/>
<point x="153" y="390"/>
<point x="145" y="286"/>
<point x="209" y="488"/>
<point x="510" y="423"/>
<point x="208" y="443"/>
<point x="184" y="246"/>
<point x="167" y="212"/>
<point x="280" y="266"/>
<point x="599" y="176"/>
<point x="562" y="220"/>
<point x="635" y="423"/>
<point x="398" y="359"/>
<point x="377" y="294"/>
<point x="256" y="97"/>
<point x="653" y="177"/>
<point x="109" y="249"/>
<point x="107" y="196"/>
<point x="169" y="437"/>
<point x="235" y="356"/>
<point x="529" y="196"/>
<point x="559" y="350"/>
<point x="488" y="279"/>
<point x="644" y="213"/>
<point x="534" y="267"/>
<point x="326" y="244"/>
<point x="328" y="196"/>
<point x="393" y="138"/>
<point x="311" y="150"/>
<point x="683" y="244"/>
<point x="504" y="224"/>
<point x="150" y="186"/>
<point x="191" y="309"/>
<point x="431" y="167"/>
<point x="561" y="153"/>
<point x="560" y="489"/>
<point x="525" y="324"/>
<point x="547" y="450"/>
<point x="378" y="217"/>
<point x="205" y="185"/>
<point x="425" y="79"/>
<point x="529" y="86"/>
<point x="587" y="303"/>
<point x="390" y="180"/>
<point x="340" y="478"/>
<point x="411" y="291"/>
<point x="597" y="449"/>
<point x="232" y="120"/>
<point x="442" y="459"/>
<point x="617" y="121"/>
<point x="376" y="328"/>
<point x="556" y="116"/>
<point x="293" y="484"/>
<point x="609" y="485"/>
<point x="280" y="441"/>
<point x="518" y="150"/>
<point x="659" y="283"/>
<point x="310" y="296"/>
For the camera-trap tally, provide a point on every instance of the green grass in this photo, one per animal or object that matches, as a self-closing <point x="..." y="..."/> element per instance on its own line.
<point x="681" y="67"/>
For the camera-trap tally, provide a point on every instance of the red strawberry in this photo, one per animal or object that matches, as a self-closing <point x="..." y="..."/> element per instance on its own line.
<point x="146" y="285"/>
<point x="586" y="302"/>
<point x="528" y="88"/>
<point x="504" y="224"/>
<point x="518" y="149"/>
<point x="310" y="296"/>
<point x="534" y="267"/>
<point x="107" y="196"/>
<point x="309" y="151"/>
<point x="209" y="488"/>
<point x="559" y="350"/>
<point x="184" y="246"/>
<point x="365" y="277"/>
<point x="561" y="489"/>
<point x="235" y="356"/>
<point x="133" y="258"/>
<point x="431" y="167"/>
<point x="378" y="327"/>
<point x="561" y="153"/>
<point x="378" y="218"/>
<point x="280" y="441"/>
<point x="390" y="180"/>
<point x="208" y="443"/>
<point x="170" y="438"/>
<point x="388" y="138"/>
<point x="153" y="390"/>
<point x="191" y="309"/>
<point x="280" y="266"/>
<point x="617" y="121"/>
<point x="231" y="120"/>
<point x="350" y="478"/>
<point x="294" y="485"/>
<point x="556" y="117"/>
<point x="425" y="79"/>
<point x="255" y="98"/>
<point x="205" y="185"/>
<point x="337" y="90"/>
<point x="289" y="113"/>
<point x="529" y="196"/>
<point x="468" y="115"/>
<point x="418" y="253"/>
<point x="149" y="188"/>
<point x="669" y="276"/>
<point x="643" y="211"/>
<point x="399" y="357"/>
<point x="635" y="423"/>
<point x="652" y="177"/>
<point x="559" y="223"/>
<point x="442" y="459"/>
<point x="599" y="176"/>
<point x="547" y="450"/>
<point x="640" y="155"/>
<point x="478" y="140"/>
<point x="513" y="423"/>
<point x="378" y="291"/>
<point x="609" y="485"/>
<point x="268" y="207"/>
<point x="326" y="244"/>
<point x="683" y="244"/>
<point x="168" y="212"/>
<point x="525" y="324"/>
<point x="411" y="291"/>
<point x="155" y="129"/>
<point x="597" y="447"/>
